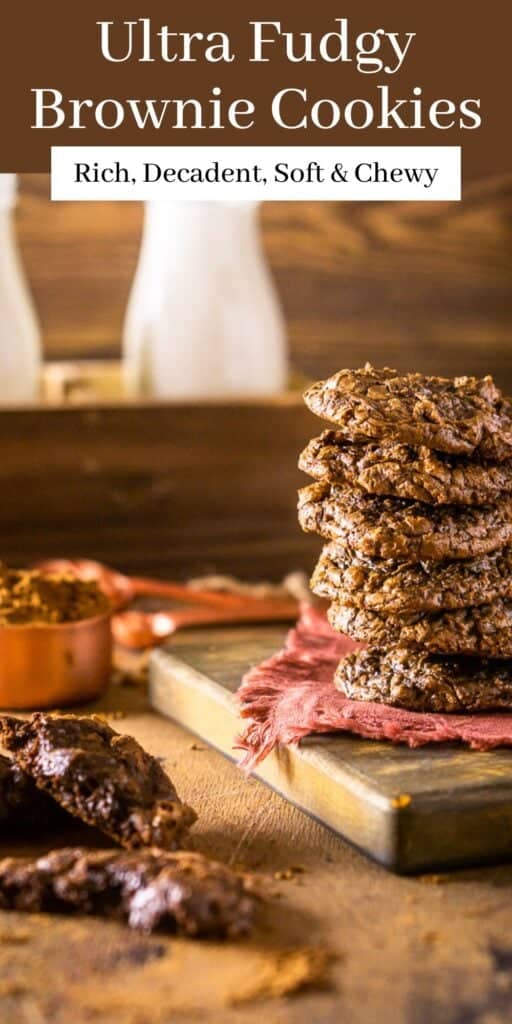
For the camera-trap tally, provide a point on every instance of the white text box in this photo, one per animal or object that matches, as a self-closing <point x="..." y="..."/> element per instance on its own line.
<point x="256" y="173"/>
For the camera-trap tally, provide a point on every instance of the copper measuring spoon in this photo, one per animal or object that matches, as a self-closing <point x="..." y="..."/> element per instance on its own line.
<point x="144" y="629"/>
<point x="122" y="590"/>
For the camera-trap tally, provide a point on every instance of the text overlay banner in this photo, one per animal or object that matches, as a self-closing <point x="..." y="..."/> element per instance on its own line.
<point x="418" y="173"/>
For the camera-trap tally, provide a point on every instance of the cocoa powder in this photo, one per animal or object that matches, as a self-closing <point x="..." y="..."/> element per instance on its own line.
<point x="30" y="596"/>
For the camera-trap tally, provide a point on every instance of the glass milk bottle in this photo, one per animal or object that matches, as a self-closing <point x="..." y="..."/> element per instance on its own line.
<point x="20" y="353"/>
<point x="203" y="318"/>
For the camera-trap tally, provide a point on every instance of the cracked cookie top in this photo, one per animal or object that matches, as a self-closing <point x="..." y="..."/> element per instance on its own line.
<point x="405" y="471"/>
<point x="409" y="531"/>
<point x="461" y="415"/>
<point x="389" y="587"/>
<point x="419" y="681"/>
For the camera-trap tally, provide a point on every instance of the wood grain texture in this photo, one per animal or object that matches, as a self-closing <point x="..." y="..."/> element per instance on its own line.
<point x="428" y="950"/>
<point x="422" y="285"/>
<point x="177" y="490"/>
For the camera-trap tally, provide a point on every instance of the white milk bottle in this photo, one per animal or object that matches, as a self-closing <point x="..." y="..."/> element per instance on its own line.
<point x="20" y="351"/>
<point x="203" y="319"/>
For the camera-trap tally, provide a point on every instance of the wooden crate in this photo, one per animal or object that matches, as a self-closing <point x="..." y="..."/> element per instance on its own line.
<point x="172" y="489"/>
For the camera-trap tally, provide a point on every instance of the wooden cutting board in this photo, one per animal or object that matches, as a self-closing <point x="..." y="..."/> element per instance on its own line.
<point x="411" y="810"/>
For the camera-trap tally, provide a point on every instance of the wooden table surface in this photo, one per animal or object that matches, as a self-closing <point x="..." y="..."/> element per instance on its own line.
<point x="426" y="950"/>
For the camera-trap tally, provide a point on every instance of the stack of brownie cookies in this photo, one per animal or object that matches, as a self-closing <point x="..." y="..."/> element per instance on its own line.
<point x="413" y="493"/>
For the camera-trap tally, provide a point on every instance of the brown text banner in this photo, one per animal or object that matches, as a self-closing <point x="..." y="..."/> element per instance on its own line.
<point x="284" y="74"/>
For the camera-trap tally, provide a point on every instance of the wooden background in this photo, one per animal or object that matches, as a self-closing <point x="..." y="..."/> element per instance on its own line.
<point x="171" y="490"/>
<point x="181" y="490"/>
<point x="422" y="285"/>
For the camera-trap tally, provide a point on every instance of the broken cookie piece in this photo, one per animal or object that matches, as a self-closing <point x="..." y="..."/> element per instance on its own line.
<point x="106" y="779"/>
<point x="23" y="807"/>
<point x="184" y="893"/>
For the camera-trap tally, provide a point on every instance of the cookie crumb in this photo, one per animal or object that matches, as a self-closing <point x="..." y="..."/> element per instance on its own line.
<point x="285" y="874"/>
<point x="402" y="800"/>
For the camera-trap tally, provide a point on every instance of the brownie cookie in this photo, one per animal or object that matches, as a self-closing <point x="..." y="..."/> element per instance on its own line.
<point x="184" y="893"/>
<point x="408" y="531"/>
<point x="496" y="442"/>
<point x="422" y="682"/>
<point x="460" y="415"/>
<point x="105" y="779"/>
<point x="23" y="807"/>
<point x="485" y="631"/>
<point x="393" y="588"/>
<point x="405" y="471"/>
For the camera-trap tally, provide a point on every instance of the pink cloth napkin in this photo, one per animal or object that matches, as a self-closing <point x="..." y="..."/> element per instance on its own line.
<point x="291" y="695"/>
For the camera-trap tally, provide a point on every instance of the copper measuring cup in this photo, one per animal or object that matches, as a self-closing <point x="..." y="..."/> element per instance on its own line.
<point x="51" y="665"/>
<point x="144" y="629"/>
